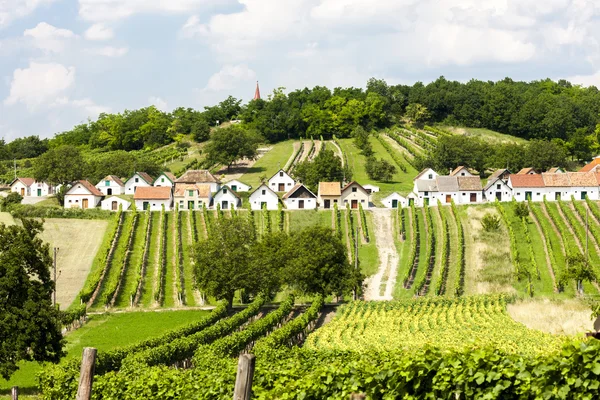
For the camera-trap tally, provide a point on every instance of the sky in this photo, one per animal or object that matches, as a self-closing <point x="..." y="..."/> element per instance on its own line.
<point x="64" y="61"/>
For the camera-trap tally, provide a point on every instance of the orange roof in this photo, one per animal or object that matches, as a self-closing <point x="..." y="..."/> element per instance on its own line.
<point x="203" y="189"/>
<point x="354" y="183"/>
<point x="152" y="193"/>
<point x="591" y="166"/>
<point x="526" y="181"/>
<point x="91" y="188"/>
<point x="585" y="179"/>
<point x="330" y="189"/>
<point x="527" y="171"/>
<point x="556" y="180"/>
<point x="24" y="181"/>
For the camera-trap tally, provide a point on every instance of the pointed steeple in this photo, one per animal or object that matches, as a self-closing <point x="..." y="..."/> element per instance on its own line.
<point x="257" y="92"/>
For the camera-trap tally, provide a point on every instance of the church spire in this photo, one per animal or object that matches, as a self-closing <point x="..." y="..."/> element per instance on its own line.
<point x="257" y="92"/>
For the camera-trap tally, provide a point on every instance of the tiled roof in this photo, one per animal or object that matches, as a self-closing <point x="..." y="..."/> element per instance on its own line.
<point x="294" y="189"/>
<point x="152" y="193"/>
<point x="198" y="176"/>
<point x="556" y="180"/>
<point x="458" y="169"/>
<point x="498" y="173"/>
<point x="469" y="183"/>
<point x="447" y="184"/>
<point x="585" y="179"/>
<point x="330" y="189"/>
<point x="203" y="189"/>
<point x="526" y="171"/>
<point x="147" y="178"/>
<point x="425" y="185"/>
<point x="526" y="181"/>
<point x="24" y="181"/>
<point x="591" y="166"/>
<point x="113" y="178"/>
<point x="354" y="183"/>
<point x="91" y="188"/>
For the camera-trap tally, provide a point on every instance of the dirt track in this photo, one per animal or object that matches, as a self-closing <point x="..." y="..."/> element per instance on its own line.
<point x="388" y="256"/>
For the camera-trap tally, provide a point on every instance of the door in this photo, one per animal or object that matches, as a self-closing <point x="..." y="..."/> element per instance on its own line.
<point x="84" y="203"/>
<point x="583" y="195"/>
<point x="300" y="203"/>
<point x="473" y="197"/>
<point x="448" y="198"/>
<point x="22" y="192"/>
<point x="327" y="204"/>
<point x="411" y="202"/>
<point x="190" y="205"/>
<point x="234" y="188"/>
<point x="39" y="192"/>
<point x="224" y="205"/>
<point x="557" y="196"/>
<point x="114" y="206"/>
<point x="394" y="203"/>
<point x="281" y="187"/>
<point x="109" y="191"/>
<point x="528" y="196"/>
<point x="145" y="205"/>
<point x="426" y="201"/>
<point x="354" y="204"/>
<point x="263" y="205"/>
<point x="499" y="196"/>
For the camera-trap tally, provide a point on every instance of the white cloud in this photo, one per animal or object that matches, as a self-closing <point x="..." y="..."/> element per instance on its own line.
<point x="158" y="103"/>
<point x="99" y="32"/>
<point x="192" y="27"/>
<point x="109" y="51"/>
<point x="229" y="77"/>
<point x="111" y="10"/>
<point x="586" y="80"/>
<point x="13" y="9"/>
<point x="48" y="37"/>
<point x="39" y="83"/>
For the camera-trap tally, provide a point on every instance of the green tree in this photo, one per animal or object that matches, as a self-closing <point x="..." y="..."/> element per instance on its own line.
<point x="223" y="259"/>
<point x="417" y="113"/>
<point x="361" y="141"/>
<point x="200" y="130"/>
<point x="227" y="145"/>
<point x="10" y="199"/>
<point x="578" y="270"/>
<point x="379" y="169"/>
<point x="62" y="165"/>
<point x="268" y="260"/>
<point x="543" y="154"/>
<point x="30" y="325"/>
<point x="325" y="167"/>
<point x="317" y="262"/>
<point x="521" y="209"/>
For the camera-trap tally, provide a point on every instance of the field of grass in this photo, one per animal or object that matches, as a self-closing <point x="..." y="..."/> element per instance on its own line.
<point x="485" y="134"/>
<point x="268" y="164"/>
<point x="105" y="332"/>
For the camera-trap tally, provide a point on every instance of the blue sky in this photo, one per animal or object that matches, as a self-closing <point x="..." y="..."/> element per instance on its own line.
<point x="63" y="61"/>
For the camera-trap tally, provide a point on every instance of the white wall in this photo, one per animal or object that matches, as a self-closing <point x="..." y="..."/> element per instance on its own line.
<point x="292" y="203"/>
<point x="17" y="186"/>
<point x="241" y="187"/>
<point x="220" y="197"/>
<point x="163" y="181"/>
<point x="464" y="197"/>
<point x="155" y="205"/>
<point x="257" y="198"/>
<point x="402" y="202"/>
<point x="76" y="200"/>
<point x="131" y="184"/>
<point x="115" y="188"/>
<point x="348" y="195"/>
<point x="285" y="179"/>
<point x="106" y="204"/>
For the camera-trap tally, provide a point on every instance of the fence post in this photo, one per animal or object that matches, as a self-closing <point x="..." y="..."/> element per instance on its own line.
<point x="86" y="376"/>
<point x="14" y="393"/>
<point x="243" y="379"/>
<point x="358" y="396"/>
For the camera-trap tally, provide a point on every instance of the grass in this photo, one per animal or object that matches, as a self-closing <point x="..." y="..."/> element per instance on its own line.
<point x="49" y="202"/>
<point x="269" y="163"/>
<point x="147" y="297"/>
<point x="105" y="332"/>
<point x="169" y="289"/>
<point x="368" y="255"/>
<point x="453" y="259"/>
<point x="188" y="244"/>
<point x="304" y="219"/>
<point x="485" y="134"/>
<point x="436" y="275"/>
<point x="403" y="248"/>
<point x="128" y="286"/>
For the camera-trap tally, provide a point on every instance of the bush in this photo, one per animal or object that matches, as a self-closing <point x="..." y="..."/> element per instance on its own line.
<point x="521" y="210"/>
<point x="379" y="170"/>
<point x="30" y="211"/>
<point x="490" y="223"/>
<point x="12" y="198"/>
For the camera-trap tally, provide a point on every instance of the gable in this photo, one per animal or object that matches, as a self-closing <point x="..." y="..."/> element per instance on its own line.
<point x="267" y="192"/>
<point x="280" y="175"/>
<point x="302" y="193"/>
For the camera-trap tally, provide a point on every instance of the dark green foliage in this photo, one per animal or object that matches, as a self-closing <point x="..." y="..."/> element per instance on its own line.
<point x="200" y="130"/>
<point x="490" y="222"/>
<point x="325" y="167"/>
<point x="379" y="169"/>
<point x="520" y="209"/>
<point x="25" y="147"/>
<point x="63" y="164"/>
<point x="227" y="145"/>
<point x="30" y="326"/>
<point x="361" y="141"/>
<point x="11" y="199"/>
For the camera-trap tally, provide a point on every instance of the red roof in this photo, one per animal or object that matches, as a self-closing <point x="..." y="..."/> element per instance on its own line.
<point x="152" y="193"/>
<point x="257" y="92"/>
<point x="591" y="166"/>
<point x="91" y="188"/>
<point x="526" y="181"/>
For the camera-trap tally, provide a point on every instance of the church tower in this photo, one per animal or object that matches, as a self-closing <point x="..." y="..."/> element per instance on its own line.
<point x="257" y="92"/>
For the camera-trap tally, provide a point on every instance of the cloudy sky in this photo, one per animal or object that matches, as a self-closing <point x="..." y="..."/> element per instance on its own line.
<point x="63" y="61"/>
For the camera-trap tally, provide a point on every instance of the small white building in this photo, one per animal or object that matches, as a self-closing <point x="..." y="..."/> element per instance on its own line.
<point x="139" y="179"/>
<point x="371" y="188"/>
<point x="354" y="194"/>
<point x="497" y="189"/>
<point x="300" y="198"/>
<point x="530" y="187"/>
<point x="111" y="185"/>
<point x="192" y="196"/>
<point x="470" y="190"/>
<point x="263" y="195"/>
<point x="199" y="176"/>
<point x="29" y="187"/>
<point x="82" y="195"/>
<point x="281" y="182"/>
<point x="461" y="171"/>
<point x="113" y="203"/>
<point x="226" y="198"/>
<point x="329" y="194"/>
<point x="238" y="186"/>
<point x="395" y="200"/>
<point x="166" y="179"/>
<point x="153" y="198"/>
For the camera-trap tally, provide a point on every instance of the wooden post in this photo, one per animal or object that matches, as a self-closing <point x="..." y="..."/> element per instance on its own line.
<point x="86" y="376"/>
<point x="243" y="379"/>
<point x="358" y="396"/>
<point x="14" y="393"/>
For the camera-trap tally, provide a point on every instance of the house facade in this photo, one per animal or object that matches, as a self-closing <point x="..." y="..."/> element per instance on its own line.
<point x="111" y="185"/>
<point x="329" y="194"/>
<point x="238" y="186"/>
<point x="470" y="190"/>
<point x="395" y="200"/>
<point x="227" y="199"/>
<point x="264" y="196"/>
<point x="497" y="189"/>
<point x="139" y="179"/>
<point x="153" y="198"/>
<point x="199" y="176"/>
<point x="112" y="203"/>
<point x="371" y="188"/>
<point x="281" y="182"/>
<point x="82" y="195"/>
<point x="192" y="196"/>
<point x="461" y="171"/>
<point x="353" y="195"/>
<point x="300" y="198"/>
<point x="165" y="179"/>
<point x="29" y="187"/>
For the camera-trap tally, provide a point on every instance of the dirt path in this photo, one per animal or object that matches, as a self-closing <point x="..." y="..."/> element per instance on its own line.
<point x="396" y="146"/>
<point x="338" y="151"/>
<point x="305" y="151"/>
<point x="546" y="249"/>
<point x="554" y="227"/>
<point x="240" y="167"/>
<point x="316" y="150"/>
<point x="592" y="238"/>
<point x="384" y="238"/>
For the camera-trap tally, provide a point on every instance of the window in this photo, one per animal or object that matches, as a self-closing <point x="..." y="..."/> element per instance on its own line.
<point x="106" y="183"/>
<point x="281" y="174"/>
<point x="464" y="194"/>
<point x="537" y="194"/>
<point x="137" y="180"/>
<point x="335" y="200"/>
<point x="426" y="193"/>
<point x="362" y="201"/>
<point x="273" y="184"/>
<point x="430" y="176"/>
<point x="69" y="201"/>
<point x="224" y="191"/>
<point x="498" y="186"/>
<point x="354" y="190"/>
<point x="162" y="180"/>
<point x="190" y="193"/>
<point x="76" y="201"/>
<point x="180" y="203"/>
<point x="264" y="192"/>
<point x="289" y="184"/>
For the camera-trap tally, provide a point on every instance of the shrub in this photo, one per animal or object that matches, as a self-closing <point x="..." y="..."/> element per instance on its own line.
<point x="490" y="223"/>
<point x="521" y="209"/>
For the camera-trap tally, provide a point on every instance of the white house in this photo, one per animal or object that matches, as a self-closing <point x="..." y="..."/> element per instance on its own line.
<point x="281" y="182"/>
<point x="82" y="195"/>
<point x="139" y="179"/>
<point x="497" y="188"/>
<point x="264" y="195"/>
<point x="238" y="186"/>
<point x="227" y="199"/>
<point x="153" y="198"/>
<point x="583" y="184"/>
<point x="354" y="194"/>
<point x="199" y="176"/>
<point x="300" y="198"/>
<point x="425" y="187"/>
<point x="470" y="190"/>
<point x="29" y="187"/>
<point x="461" y="171"/>
<point x="112" y="203"/>
<point x="329" y="194"/>
<point x="166" y="179"/>
<point x="371" y="188"/>
<point x="429" y="188"/>
<point x="530" y="187"/>
<point x="395" y="200"/>
<point x="192" y="196"/>
<point x="110" y="185"/>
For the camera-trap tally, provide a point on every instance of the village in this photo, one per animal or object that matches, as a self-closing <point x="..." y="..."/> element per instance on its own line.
<point x="198" y="189"/>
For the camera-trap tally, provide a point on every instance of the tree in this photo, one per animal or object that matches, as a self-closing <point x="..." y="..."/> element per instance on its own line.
<point x="490" y="222"/>
<point x="10" y="199"/>
<point x="579" y="270"/>
<point x="227" y="145"/>
<point x="325" y="167"/>
<point x="543" y="154"/>
<point x="30" y="325"/>
<point x="379" y="169"/>
<point x="200" y="130"/>
<point x="317" y="262"/>
<point x="361" y="141"/>
<point x="223" y="259"/>
<point x="62" y="165"/>
<point x="268" y="260"/>
<point x="417" y="113"/>
<point x="521" y="210"/>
